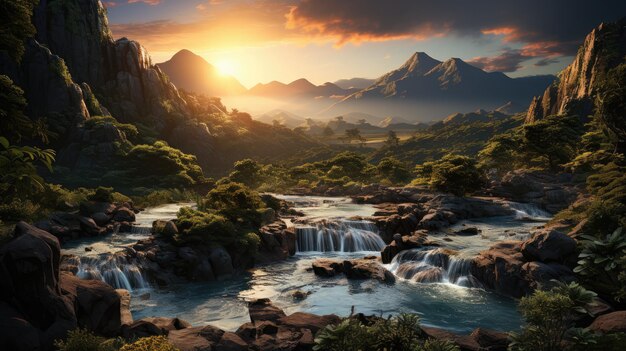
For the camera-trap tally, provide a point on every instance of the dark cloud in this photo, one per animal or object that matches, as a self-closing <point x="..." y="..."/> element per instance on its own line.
<point x="546" y="28"/>
<point x="546" y="61"/>
<point x="507" y="61"/>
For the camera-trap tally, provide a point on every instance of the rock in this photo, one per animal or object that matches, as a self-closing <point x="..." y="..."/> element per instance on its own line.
<point x="100" y="218"/>
<point x="124" y="214"/>
<point x="97" y="304"/>
<point x="170" y="229"/>
<point x="309" y="321"/>
<point x="89" y="226"/>
<point x="614" y="322"/>
<point x="264" y="310"/>
<point x="125" y="316"/>
<point x="221" y="262"/>
<point x="89" y="208"/>
<point x="231" y="342"/>
<point x="153" y="326"/>
<point x="467" y="231"/>
<point x="491" y="340"/>
<point x="500" y="268"/>
<point x="327" y="267"/>
<point x="29" y="288"/>
<point x="401" y="243"/>
<point x="367" y="269"/>
<point x="549" y="246"/>
<point x="432" y="275"/>
<point x="196" y="338"/>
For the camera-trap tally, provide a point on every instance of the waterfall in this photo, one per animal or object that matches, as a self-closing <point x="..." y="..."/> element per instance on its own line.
<point x="525" y="211"/>
<point x="339" y="235"/>
<point x="143" y="230"/>
<point x="432" y="266"/>
<point x="115" y="270"/>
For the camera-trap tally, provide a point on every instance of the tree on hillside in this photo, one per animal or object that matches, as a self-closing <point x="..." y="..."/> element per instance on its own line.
<point x="611" y="104"/>
<point x="392" y="139"/>
<point x="352" y="134"/>
<point x="553" y="139"/>
<point x="394" y="171"/>
<point x="247" y="172"/>
<point x="454" y="174"/>
<point x="328" y="132"/>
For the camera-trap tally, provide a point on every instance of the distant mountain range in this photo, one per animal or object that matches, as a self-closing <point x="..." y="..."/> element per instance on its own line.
<point x="422" y="89"/>
<point x="193" y="73"/>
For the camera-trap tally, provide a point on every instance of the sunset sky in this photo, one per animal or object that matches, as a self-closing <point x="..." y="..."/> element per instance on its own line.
<point x="325" y="40"/>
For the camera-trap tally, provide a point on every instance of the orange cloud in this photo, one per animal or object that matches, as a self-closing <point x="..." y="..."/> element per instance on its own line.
<point x="149" y="2"/>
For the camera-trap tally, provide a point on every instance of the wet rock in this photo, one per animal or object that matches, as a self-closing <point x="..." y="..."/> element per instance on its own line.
<point x="124" y="214"/>
<point x="125" y="315"/>
<point x="469" y="231"/>
<point x="100" y="218"/>
<point x="549" y="246"/>
<point x="614" y="322"/>
<point x="367" y="269"/>
<point x="221" y="262"/>
<point x="231" y="342"/>
<point x="309" y="321"/>
<point x="196" y="338"/>
<point x="327" y="267"/>
<point x="264" y="310"/>
<point x="153" y="326"/>
<point x="88" y="208"/>
<point x="401" y="243"/>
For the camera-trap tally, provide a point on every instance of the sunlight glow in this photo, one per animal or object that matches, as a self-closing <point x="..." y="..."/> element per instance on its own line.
<point x="225" y="68"/>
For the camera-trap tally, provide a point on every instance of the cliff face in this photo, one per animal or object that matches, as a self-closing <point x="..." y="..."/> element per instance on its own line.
<point x="121" y="72"/>
<point x="573" y="93"/>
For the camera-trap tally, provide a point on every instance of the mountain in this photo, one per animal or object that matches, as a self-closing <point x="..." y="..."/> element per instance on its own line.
<point x="285" y="118"/>
<point x="424" y="88"/>
<point x="574" y="91"/>
<point x="193" y="73"/>
<point x="354" y="83"/>
<point x="300" y="88"/>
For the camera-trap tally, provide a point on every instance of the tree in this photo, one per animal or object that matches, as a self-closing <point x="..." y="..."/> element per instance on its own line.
<point x="611" y="105"/>
<point x="392" y="139"/>
<point x="353" y="134"/>
<point x="247" y="172"/>
<point x="328" y="132"/>
<point x="18" y="170"/>
<point x="395" y="171"/>
<point x="553" y="139"/>
<point x="15" y="16"/>
<point x="500" y="153"/>
<point x="454" y="174"/>
<point x="14" y="124"/>
<point x="361" y="121"/>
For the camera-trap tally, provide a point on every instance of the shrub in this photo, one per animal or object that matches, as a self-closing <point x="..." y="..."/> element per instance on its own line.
<point x="102" y="194"/>
<point x="438" y="345"/>
<point x="18" y="210"/>
<point x="453" y="173"/>
<point x="349" y="335"/>
<point x="236" y="202"/>
<point x="85" y="340"/>
<point x="204" y="228"/>
<point x="152" y="343"/>
<point x="393" y="170"/>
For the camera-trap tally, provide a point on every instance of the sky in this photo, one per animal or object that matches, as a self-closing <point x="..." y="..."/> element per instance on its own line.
<point x="258" y="41"/>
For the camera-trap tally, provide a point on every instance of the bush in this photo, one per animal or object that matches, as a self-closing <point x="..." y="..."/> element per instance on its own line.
<point x="236" y="202"/>
<point x="102" y="194"/>
<point x="152" y="343"/>
<point x="84" y="340"/>
<point x="18" y="210"/>
<point x="453" y="174"/>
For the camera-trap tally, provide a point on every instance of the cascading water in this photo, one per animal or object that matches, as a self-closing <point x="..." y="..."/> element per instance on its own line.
<point x="339" y="236"/>
<point x="114" y="269"/>
<point x="525" y="211"/>
<point x="433" y="266"/>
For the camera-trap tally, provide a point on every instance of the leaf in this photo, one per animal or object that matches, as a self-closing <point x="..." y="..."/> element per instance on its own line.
<point x="4" y="142"/>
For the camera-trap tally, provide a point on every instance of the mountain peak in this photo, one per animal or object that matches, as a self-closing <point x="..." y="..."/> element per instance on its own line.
<point x="186" y="55"/>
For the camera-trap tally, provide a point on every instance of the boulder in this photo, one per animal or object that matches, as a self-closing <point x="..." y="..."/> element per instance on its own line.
<point x="231" y="342"/>
<point x="367" y="269"/>
<point x="326" y="267"/>
<point x="101" y="218"/>
<point x="309" y="321"/>
<point x="221" y="262"/>
<point x="124" y="214"/>
<point x="170" y="229"/>
<point x="549" y="246"/>
<point x="264" y="310"/>
<point x="614" y="322"/>
<point x="125" y="316"/>
<point x="196" y="338"/>
<point x="88" y="208"/>
<point x="97" y="305"/>
<point x="153" y="326"/>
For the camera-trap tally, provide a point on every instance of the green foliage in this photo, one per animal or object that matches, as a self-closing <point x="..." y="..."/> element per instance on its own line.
<point x="99" y="121"/>
<point x="553" y="139"/>
<point x="58" y="67"/>
<point x="15" y="16"/>
<point x="392" y="139"/>
<point x="580" y="297"/>
<point x="14" y="124"/>
<point x="453" y="173"/>
<point x="612" y="105"/>
<point x="102" y="194"/>
<point x="18" y="169"/>
<point x="162" y="166"/>
<point x="151" y="198"/>
<point x="399" y="333"/>
<point x="246" y="172"/>
<point x="396" y="172"/>
<point x="602" y="263"/>
<point x="353" y="134"/>
<point x="548" y="317"/>
<point x="17" y="210"/>
<point x="152" y="343"/>
<point x="500" y="152"/>
<point x="236" y="202"/>
<point x="84" y="340"/>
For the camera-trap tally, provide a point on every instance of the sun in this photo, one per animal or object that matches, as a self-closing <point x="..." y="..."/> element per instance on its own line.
<point x="225" y="68"/>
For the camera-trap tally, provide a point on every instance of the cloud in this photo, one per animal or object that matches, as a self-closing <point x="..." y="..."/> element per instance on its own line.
<point x="543" y="28"/>
<point x="149" y="2"/>
<point x="507" y="61"/>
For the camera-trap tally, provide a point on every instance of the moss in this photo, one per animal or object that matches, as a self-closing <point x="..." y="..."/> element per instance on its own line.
<point x="59" y="68"/>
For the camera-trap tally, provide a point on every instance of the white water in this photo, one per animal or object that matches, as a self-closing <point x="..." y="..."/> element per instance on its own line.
<point x="432" y="266"/>
<point x="97" y="258"/>
<point x="529" y="212"/>
<point x="339" y="235"/>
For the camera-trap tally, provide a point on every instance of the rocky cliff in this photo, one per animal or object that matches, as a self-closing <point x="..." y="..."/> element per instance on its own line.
<point x="573" y="92"/>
